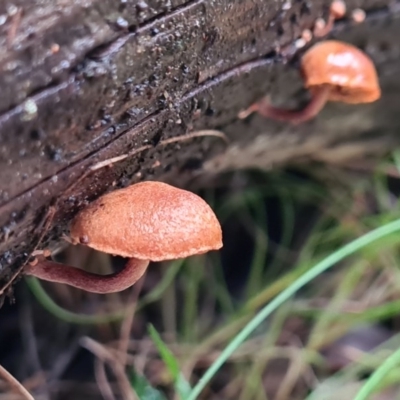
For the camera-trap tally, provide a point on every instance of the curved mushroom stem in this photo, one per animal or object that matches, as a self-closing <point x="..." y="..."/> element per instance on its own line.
<point x="55" y="272"/>
<point x="322" y="28"/>
<point x="316" y="104"/>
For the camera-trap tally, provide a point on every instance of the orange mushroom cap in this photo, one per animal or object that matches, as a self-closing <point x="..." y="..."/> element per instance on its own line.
<point x="347" y="70"/>
<point x="338" y="9"/>
<point x="149" y="221"/>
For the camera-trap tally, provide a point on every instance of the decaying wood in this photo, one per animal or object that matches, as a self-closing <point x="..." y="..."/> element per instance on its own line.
<point x="83" y="81"/>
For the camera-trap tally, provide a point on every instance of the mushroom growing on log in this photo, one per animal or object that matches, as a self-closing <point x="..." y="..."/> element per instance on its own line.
<point x="332" y="71"/>
<point x="148" y="221"/>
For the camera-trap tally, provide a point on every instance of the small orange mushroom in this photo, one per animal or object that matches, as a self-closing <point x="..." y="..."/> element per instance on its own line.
<point x="337" y="10"/>
<point x="358" y="15"/>
<point x="332" y="71"/>
<point x="148" y="221"/>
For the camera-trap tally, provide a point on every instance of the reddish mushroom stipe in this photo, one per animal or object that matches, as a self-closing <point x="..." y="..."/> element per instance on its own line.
<point x="116" y="282"/>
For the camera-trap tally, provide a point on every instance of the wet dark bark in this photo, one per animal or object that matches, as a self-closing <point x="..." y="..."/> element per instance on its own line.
<point x="82" y="81"/>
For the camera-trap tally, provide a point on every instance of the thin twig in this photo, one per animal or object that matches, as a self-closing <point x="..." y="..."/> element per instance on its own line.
<point x="176" y="139"/>
<point x="105" y="355"/>
<point x="126" y="326"/>
<point x="102" y="381"/>
<point x="15" y="385"/>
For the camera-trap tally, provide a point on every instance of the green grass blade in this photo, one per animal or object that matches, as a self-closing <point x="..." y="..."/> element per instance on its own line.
<point x="158" y="291"/>
<point x="322" y="266"/>
<point x="379" y="374"/>
<point x="68" y="316"/>
<point x="182" y="386"/>
<point x="143" y="388"/>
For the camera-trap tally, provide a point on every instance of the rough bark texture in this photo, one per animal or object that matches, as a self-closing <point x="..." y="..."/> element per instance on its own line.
<point x="85" y="80"/>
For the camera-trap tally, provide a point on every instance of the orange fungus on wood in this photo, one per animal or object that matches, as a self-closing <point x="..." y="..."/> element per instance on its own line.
<point x="348" y="71"/>
<point x="148" y="221"/>
<point x="332" y="71"/>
